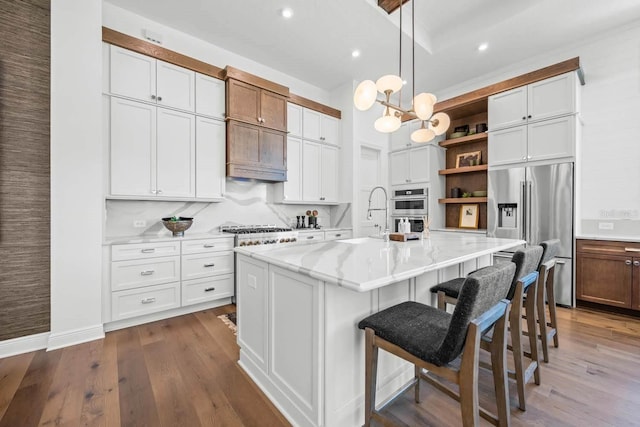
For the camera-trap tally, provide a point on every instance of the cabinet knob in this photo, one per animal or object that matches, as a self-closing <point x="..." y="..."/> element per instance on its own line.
<point x="153" y="97"/>
<point x="153" y="191"/>
<point x="524" y="118"/>
<point x="529" y="116"/>
<point x="627" y="262"/>
<point x="524" y="158"/>
<point x="636" y="263"/>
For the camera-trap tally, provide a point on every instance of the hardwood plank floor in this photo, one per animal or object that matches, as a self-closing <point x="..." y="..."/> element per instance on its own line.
<point x="184" y="372"/>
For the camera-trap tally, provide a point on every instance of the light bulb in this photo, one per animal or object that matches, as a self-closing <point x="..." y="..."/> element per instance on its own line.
<point x="365" y="95"/>
<point x="423" y="134"/>
<point x="388" y="122"/>
<point x="423" y="105"/>
<point x="389" y="83"/>
<point x="440" y="123"/>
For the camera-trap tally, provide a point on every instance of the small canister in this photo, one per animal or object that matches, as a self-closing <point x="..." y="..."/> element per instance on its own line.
<point x="456" y="192"/>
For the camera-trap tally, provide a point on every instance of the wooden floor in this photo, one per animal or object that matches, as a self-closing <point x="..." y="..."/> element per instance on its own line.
<point x="183" y="372"/>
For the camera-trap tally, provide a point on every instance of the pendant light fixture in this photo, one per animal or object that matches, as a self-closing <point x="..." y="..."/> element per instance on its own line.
<point x="366" y="95"/>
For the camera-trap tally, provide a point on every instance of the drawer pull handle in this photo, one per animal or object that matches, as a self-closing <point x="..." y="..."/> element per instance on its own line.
<point x="338" y="235"/>
<point x="148" y="251"/>
<point x="147" y="272"/>
<point x="209" y="289"/>
<point x="631" y="249"/>
<point x="561" y="262"/>
<point x="209" y="265"/>
<point x="310" y="237"/>
<point x="148" y="300"/>
<point x="209" y="245"/>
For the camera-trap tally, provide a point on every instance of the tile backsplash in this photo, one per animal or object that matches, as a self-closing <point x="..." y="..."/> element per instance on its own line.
<point x="245" y="203"/>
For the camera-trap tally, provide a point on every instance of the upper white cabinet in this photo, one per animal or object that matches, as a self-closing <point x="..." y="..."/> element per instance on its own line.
<point x="319" y="172"/>
<point x="210" y="96"/>
<point x="292" y="187"/>
<point x="553" y="97"/>
<point x="320" y="127"/>
<point x="410" y="166"/>
<point x="294" y="120"/>
<point x="152" y="151"/>
<point x="401" y="138"/>
<point x="147" y="79"/>
<point x="210" y="158"/>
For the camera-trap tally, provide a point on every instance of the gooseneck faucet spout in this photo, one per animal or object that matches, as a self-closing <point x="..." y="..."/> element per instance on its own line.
<point x="385" y="209"/>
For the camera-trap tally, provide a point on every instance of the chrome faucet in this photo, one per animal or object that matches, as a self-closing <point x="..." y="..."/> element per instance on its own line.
<point x="386" y="212"/>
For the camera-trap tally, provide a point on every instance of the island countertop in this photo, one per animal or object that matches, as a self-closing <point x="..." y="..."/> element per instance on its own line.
<point x="363" y="264"/>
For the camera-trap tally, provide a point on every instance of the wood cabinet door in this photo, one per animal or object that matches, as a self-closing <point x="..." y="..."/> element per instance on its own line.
<point x="243" y="102"/>
<point x="636" y="284"/>
<point x="132" y="75"/>
<point x="507" y="109"/>
<point x="243" y="144"/>
<point x="552" y="97"/>
<point x="210" y="158"/>
<point x="273" y="149"/>
<point x="419" y="165"/>
<point x="399" y="167"/>
<point x="176" y="154"/>
<point x="604" y="279"/>
<point x="508" y="146"/>
<point x="176" y="86"/>
<point x="210" y="96"/>
<point x="329" y="174"/>
<point x="273" y="110"/>
<point x="311" y="171"/>
<point x="551" y="139"/>
<point x="292" y="190"/>
<point x="132" y="148"/>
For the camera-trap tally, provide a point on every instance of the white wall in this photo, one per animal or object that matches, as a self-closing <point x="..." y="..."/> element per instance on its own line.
<point x="610" y="105"/>
<point x="76" y="177"/>
<point x="129" y="23"/>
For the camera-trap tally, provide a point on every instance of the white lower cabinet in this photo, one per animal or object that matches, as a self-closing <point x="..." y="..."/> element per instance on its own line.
<point x="148" y="278"/>
<point x="309" y="236"/>
<point x="338" y="234"/>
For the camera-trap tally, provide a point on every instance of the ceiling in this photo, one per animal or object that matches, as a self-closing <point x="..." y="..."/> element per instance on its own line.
<point x="315" y="45"/>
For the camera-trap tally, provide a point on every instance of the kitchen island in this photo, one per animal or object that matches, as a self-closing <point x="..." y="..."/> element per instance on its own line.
<point x="299" y="305"/>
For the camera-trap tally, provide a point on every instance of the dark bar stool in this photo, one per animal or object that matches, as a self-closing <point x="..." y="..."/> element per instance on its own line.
<point x="431" y="338"/>
<point x="526" y="261"/>
<point x="546" y="270"/>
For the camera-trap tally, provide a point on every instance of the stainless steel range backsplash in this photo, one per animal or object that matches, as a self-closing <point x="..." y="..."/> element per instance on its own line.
<point x="245" y="203"/>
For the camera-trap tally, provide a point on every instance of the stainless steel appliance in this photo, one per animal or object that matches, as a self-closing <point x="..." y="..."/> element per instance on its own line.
<point x="410" y="202"/>
<point x="253" y="235"/>
<point x="536" y="203"/>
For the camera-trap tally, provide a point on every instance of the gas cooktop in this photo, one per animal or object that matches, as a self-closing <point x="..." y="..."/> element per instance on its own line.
<point x="251" y="235"/>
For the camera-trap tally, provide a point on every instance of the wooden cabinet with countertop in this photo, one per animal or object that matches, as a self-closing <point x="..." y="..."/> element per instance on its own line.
<point x="608" y="272"/>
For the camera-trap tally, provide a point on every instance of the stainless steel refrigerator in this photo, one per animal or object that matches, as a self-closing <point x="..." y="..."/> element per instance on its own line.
<point x="536" y="203"/>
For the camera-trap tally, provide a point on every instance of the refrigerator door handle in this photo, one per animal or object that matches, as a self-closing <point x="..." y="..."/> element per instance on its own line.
<point x="523" y="207"/>
<point x="529" y="212"/>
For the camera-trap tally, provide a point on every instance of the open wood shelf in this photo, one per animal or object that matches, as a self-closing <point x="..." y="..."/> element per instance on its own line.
<point x="465" y="169"/>
<point x="464" y="139"/>
<point x="461" y="200"/>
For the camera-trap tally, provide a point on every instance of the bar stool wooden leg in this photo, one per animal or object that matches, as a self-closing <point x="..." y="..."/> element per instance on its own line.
<point x="542" y="313"/>
<point x="553" y="321"/>
<point x="469" y="402"/>
<point x="418" y="371"/>
<point x="371" y="370"/>
<point x="442" y="305"/>
<point x="499" y="369"/>
<point x="532" y="330"/>
<point x="515" y="325"/>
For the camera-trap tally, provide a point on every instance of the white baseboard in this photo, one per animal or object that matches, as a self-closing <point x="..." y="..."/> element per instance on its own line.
<point x="78" y="336"/>
<point x="22" y="345"/>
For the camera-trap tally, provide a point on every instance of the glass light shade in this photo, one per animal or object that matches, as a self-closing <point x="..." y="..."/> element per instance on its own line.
<point x="389" y="83"/>
<point x="365" y="95"/>
<point x="443" y="123"/>
<point x="423" y="106"/>
<point x="422" y="135"/>
<point x="388" y="123"/>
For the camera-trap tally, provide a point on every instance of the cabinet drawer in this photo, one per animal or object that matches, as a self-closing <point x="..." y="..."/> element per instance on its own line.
<point x="207" y="245"/>
<point x="204" y="265"/>
<point x="208" y="289"/>
<point x="608" y="247"/>
<point x="311" y="237"/>
<point x="339" y="234"/>
<point x="144" y="250"/>
<point x="144" y="272"/>
<point x="136" y="302"/>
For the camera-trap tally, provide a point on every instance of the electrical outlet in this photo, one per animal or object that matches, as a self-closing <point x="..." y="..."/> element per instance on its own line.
<point x="139" y="223"/>
<point x="605" y="225"/>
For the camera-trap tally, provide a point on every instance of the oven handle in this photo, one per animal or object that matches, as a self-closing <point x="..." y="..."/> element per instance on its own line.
<point x="409" y="198"/>
<point x="408" y="216"/>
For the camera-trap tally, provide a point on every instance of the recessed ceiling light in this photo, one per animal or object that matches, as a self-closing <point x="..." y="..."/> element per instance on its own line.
<point x="483" y="46"/>
<point x="286" y="13"/>
<point x="355" y="53"/>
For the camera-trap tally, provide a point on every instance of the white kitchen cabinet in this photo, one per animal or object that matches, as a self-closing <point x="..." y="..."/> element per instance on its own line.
<point x="294" y="119"/>
<point x="553" y="97"/>
<point x="152" y="151"/>
<point x="320" y="127"/>
<point x="401" y="138"/>
<point x="141" y="77"/>
<point x="310" y="236"/>
<point x="292" y="187"/>
<point x="319" y="172"/>
<point x="540" y="141"/>
<point x="410" y="166"/>
<point x="210" y="158"/>
<point x="338" y="234"/>
<point x="210" y="96"/>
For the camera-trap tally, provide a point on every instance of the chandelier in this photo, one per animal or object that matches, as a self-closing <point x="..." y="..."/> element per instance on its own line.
<point x="366" y="95"/>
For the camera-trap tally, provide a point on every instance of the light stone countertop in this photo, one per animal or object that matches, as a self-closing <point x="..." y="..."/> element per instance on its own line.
<point x="633" y="239"/>
<point x="123" y="240"/>
<point x="363" y="264"/>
